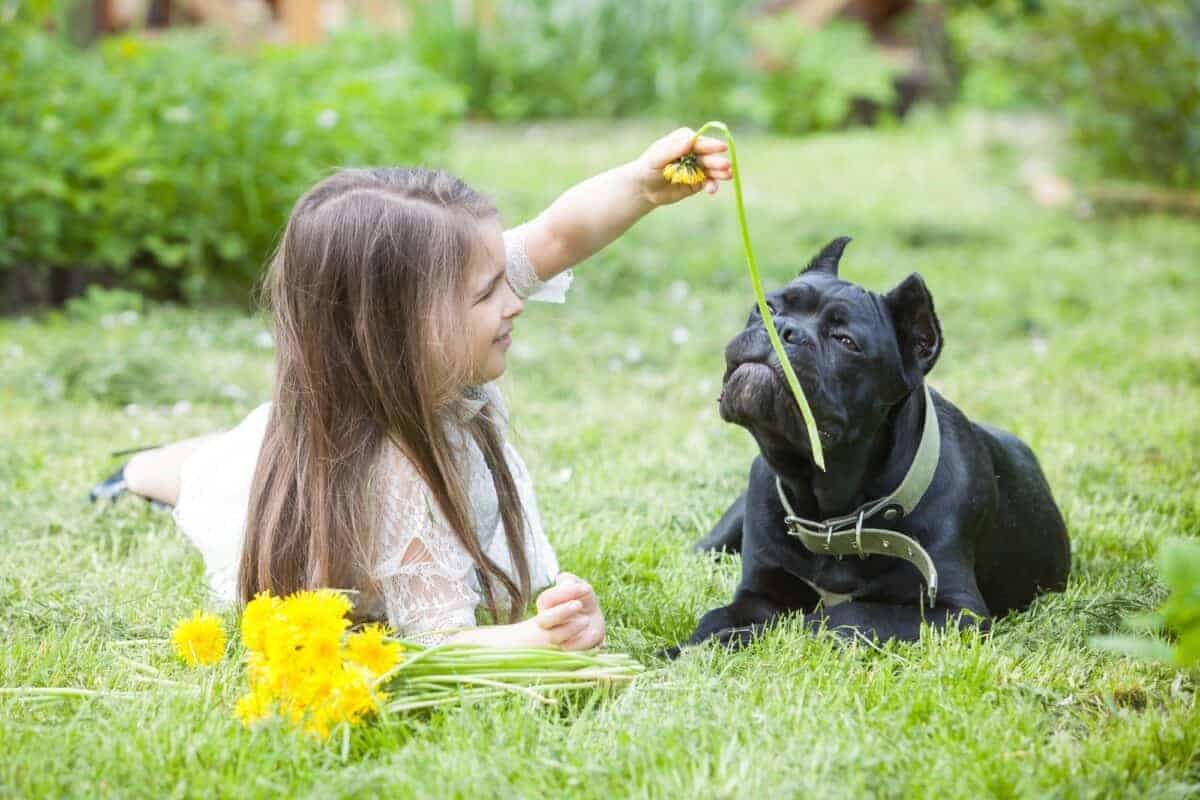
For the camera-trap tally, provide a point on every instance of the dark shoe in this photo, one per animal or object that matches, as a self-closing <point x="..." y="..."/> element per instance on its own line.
<point x="115" y="485"/>
<point x="111" y="487"/>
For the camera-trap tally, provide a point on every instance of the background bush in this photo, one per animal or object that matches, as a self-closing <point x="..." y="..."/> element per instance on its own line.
<point x="173" y="163"/>
<point x="691" y="60"/>
<point x="1127" y="74"/>
<point x="530" y="59"/>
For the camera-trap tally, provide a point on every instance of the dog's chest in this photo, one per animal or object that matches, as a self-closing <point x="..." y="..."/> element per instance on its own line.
<point x="837" y="580"/>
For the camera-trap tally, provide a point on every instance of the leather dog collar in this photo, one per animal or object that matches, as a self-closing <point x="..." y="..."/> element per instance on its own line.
<point x="845" y="535"/>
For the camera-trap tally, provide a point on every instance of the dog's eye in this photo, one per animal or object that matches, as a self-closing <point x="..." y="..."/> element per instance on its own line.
<point x="847" y="342"/>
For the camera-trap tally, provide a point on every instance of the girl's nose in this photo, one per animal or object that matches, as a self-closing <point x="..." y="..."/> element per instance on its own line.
<point x="515" y="304"/>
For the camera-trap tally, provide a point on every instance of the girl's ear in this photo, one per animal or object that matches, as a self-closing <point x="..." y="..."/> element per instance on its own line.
<point x="918" y="332"/>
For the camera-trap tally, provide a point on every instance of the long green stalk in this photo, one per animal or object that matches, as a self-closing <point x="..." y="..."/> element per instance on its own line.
<point x="814" y="439"/>
<point x="452" y="673"/>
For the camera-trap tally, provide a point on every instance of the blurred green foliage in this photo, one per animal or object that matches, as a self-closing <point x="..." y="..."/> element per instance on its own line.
<point x="1127" y="74"/>
<point x="1124" y="73"/>
<point x="174" y="162"/>
<point x="811" y="78"/>
<point x="1178" y="616"/>
<point x="556" y="58"/>
<point x="689" y="59"/>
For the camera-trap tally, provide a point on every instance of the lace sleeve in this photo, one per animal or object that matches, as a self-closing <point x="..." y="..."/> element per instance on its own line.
<point x="522" y="277"/>
<point x="424" y="574"/>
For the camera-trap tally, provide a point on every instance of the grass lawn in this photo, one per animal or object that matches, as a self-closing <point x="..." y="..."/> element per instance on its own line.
<point x="1080" y="335"/>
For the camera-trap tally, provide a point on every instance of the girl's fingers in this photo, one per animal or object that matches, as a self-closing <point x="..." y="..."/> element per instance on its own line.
<point x="710" y="186"/>
<point x="554" y="617"/>
<point x="567" y="577"/>
<point x="557" y="595"/>
<point x="586" y="639"/>
<point x="707" y="144"/>
<point x="568" y="630"/>
<point x="713" y="164"/>
<point x="672" y="146"/>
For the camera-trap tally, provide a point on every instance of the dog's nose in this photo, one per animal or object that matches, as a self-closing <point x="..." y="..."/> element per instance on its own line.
<point x="793" y="333"/>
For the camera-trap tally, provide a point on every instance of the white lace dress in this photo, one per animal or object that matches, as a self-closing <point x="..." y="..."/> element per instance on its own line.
<point x="424" y="583"/>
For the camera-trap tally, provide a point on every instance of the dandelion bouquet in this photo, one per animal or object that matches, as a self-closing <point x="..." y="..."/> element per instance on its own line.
<point x="304" y="665"/>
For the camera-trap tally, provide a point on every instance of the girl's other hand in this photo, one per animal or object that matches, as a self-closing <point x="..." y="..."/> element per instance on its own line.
<point x="570" y="615"/>
<point x="658" y="190"/>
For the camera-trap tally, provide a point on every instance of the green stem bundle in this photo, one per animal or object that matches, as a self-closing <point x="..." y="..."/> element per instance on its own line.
<point x="456" y="673"/>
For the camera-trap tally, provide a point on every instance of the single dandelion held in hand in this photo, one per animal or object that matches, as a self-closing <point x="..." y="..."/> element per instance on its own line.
<point x="687" y="170"/>
<point x="199" y="639"/>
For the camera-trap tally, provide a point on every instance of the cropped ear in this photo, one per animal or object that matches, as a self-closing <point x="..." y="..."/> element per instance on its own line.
<point x="827" y="260"/>
<point x="918" y="332"/>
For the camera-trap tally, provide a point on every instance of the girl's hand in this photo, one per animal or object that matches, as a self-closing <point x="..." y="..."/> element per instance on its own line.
<point x="570" y="615"/>
<point x="649" y="166"/>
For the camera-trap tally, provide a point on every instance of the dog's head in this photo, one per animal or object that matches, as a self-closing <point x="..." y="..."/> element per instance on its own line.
<point x="855" y="352"/>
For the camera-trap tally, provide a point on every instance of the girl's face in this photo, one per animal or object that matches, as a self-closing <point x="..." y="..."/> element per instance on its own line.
<point x="491" y="307"/>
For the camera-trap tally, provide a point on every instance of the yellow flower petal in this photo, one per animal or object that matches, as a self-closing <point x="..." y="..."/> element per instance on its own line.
<point x="256" y="620"/>
<point x="199" y="639"/>
<point x="369" y="649"/>
<point x="685" y="170"/>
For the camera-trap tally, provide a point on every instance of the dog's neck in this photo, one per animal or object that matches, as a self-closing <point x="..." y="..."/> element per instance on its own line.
<point x="856" y="471"/>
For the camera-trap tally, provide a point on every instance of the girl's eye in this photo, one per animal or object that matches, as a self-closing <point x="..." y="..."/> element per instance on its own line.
<point x="847" y="342"/>
<point x="491" y="291"/>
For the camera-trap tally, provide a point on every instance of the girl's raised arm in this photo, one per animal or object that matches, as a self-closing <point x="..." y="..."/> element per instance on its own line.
<point x="591" y="214"/>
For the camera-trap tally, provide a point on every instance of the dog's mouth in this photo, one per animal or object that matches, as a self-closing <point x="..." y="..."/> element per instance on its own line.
<point x="737" y="376"/>
<point x="747" y="390"/>
<point x="756" y="395"/>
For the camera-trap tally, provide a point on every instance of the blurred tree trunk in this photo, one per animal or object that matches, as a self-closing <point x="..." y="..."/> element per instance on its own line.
<point x="158" y="15"/>
<point x="83" y="21"/>
<point x="302" y="18"/>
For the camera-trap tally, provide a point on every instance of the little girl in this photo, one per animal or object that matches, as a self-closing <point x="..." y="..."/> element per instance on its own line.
<point x="381" y="464"/>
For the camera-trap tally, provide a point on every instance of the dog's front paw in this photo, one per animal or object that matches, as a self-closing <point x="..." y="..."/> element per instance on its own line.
<point x="669" y="653"/>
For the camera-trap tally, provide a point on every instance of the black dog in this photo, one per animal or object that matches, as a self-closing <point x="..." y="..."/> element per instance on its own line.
<point x="973" y="532"/>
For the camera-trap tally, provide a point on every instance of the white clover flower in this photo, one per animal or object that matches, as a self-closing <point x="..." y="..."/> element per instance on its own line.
<point x="178" y="115"/>
<point x="327" y="119"/>
<point x="678" y="291"/>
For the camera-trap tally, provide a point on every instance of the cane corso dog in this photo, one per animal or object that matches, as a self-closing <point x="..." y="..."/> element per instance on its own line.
<point x="920" y="516"/>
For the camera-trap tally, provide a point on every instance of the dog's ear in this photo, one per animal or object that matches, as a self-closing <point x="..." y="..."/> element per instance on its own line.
<point x="827" y="260"/>
<point x="918" y="332"/>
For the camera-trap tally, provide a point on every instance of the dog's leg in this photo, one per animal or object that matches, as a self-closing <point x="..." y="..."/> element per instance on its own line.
<point x="733" y="625"/>
<point x="726" y="535"/>
<point x="885" y="621"/>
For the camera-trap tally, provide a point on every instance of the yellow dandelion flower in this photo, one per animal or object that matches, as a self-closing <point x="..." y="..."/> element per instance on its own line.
<point x="199" y="639"/>
<point x="352" y="698"/>
<point x="369" y="649"/>
<point x="318" y="723"/>
<point x="685" y="170"/>
<point x="253" y="706"/>
<point x="310" y="609"/>
<point x="320" y="650"/>
<point x="257" y="620"/>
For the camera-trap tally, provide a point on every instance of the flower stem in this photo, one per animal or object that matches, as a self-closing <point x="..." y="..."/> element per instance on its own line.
<point x="814" y="439"/>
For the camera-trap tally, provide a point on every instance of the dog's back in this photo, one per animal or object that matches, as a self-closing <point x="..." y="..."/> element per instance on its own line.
<point x="1027" y="533"/>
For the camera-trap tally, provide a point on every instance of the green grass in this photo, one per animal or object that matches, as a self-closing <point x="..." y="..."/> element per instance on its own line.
<point x="1078" y="334"/>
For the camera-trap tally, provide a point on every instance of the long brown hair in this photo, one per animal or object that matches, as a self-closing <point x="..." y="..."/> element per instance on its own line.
<point x="368" y="290"/>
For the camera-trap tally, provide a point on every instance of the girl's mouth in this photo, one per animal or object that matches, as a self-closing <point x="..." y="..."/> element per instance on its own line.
<point x="505" y="340"/>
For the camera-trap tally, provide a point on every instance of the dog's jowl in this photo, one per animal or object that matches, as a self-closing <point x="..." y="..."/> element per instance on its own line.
<point x="921" y="516"/>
